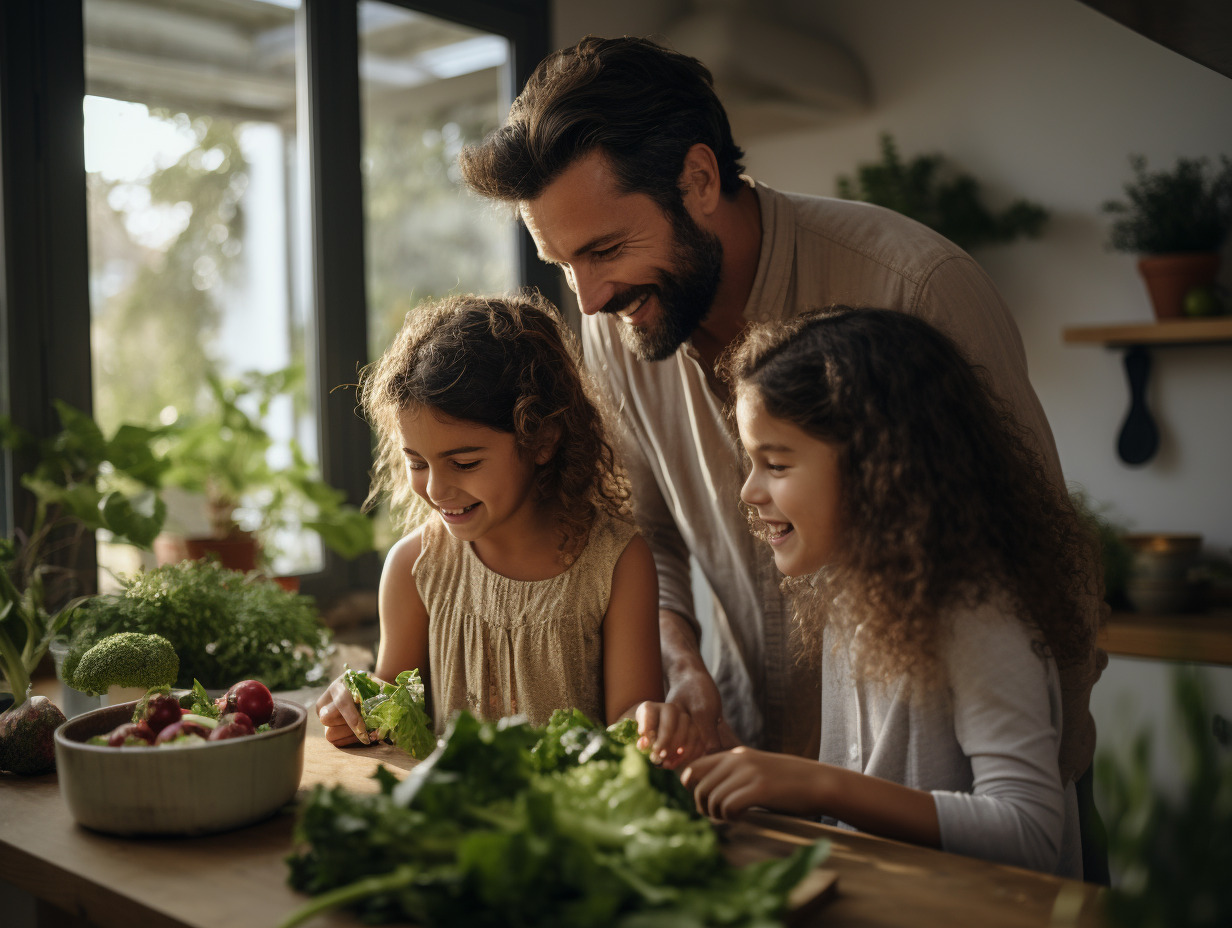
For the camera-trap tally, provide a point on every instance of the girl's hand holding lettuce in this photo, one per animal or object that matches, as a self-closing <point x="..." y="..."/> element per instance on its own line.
<point x="394" y="713"/>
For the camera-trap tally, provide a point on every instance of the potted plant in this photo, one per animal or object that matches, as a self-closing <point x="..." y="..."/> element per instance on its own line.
<point x="944" y="200"/>
<point x="81" y="482"/>
<point x="224" y="625"/>
<point x="1176" y="221"/>
<point x="223" y="454"/>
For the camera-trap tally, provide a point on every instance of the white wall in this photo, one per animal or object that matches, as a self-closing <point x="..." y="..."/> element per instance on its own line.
<point x="1045" y="100"/>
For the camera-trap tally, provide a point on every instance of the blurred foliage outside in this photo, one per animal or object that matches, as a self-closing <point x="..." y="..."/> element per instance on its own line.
<point x="426" y="236"/>
<point x="158" y="310"/>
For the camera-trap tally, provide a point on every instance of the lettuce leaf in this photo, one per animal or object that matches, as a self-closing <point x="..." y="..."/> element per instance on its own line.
<point x="396" y="711"/>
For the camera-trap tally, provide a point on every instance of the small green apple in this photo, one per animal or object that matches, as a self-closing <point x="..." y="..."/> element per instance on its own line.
<point x="1202" y="301"/>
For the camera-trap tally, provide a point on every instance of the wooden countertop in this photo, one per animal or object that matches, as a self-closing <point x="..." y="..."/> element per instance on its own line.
<point x="238" y="879"/>
<point x="1201" y="637"/>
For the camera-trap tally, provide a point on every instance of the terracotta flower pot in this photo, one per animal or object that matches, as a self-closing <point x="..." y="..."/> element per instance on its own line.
<point x="1169" y="277"/>
<point x="238" y="551"/>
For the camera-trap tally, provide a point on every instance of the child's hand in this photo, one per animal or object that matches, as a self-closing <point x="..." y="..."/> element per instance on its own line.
<point x="727" y="783"/>
<point x="667" y="732"/>
<point x="339" y="713"/>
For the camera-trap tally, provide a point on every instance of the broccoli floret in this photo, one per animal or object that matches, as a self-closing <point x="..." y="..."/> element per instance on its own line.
<point x="126" y="659"/>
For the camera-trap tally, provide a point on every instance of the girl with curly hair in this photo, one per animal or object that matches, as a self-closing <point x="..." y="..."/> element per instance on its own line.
<point x="937" y="578"/>
<point x="522" y="585"/>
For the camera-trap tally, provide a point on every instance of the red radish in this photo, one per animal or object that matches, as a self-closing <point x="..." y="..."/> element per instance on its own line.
<point x="232" y="725"/>
<point x="136" y="730"/>
<point x="251" y="697"/>
<point x="175" y="729"/>
<point x="161" y="711"/>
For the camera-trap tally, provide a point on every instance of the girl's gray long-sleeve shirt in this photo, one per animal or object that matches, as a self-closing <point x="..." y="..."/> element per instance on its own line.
<point x="983" y="741"/>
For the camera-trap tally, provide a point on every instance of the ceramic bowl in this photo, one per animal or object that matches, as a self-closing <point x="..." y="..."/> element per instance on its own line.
<point x="195" y="790"/>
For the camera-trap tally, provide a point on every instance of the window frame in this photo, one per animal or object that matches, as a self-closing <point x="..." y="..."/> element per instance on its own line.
<point x="44" y="256"/>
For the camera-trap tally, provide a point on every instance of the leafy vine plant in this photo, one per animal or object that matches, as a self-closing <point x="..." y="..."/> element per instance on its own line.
<point x="927" y="189"/>
<point x="80" y="482"/>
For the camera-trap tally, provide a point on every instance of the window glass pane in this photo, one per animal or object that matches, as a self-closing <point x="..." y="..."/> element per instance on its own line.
<point x="190" y="157"/>
<point x="429" y="87"/>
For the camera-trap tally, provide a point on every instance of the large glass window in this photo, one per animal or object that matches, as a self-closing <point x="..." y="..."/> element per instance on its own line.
<point x="429" y="87"/>
<point x="230" y="189"/>
<point x="190" y="156"/>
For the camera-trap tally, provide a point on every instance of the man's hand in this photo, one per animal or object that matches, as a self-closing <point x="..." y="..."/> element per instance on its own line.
<point x="667" y="734"/>
<point x="689" y="684"/>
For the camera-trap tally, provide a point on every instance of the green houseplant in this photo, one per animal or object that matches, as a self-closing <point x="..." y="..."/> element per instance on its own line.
<point x="81" y="481"/>
<point x="1171" y="849"/>
<point x="1176" y="221"/>
<point x="222" y="453"/>
<point x="225" y="625"/>
<point x="944" y="200"/>
<point x="1116" y="556"/>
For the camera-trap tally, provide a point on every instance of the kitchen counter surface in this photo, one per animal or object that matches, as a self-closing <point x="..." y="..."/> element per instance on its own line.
<point x="238" y="879"/>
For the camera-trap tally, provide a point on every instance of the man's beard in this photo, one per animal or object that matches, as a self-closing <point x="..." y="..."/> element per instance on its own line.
<point x="685" y="292"/>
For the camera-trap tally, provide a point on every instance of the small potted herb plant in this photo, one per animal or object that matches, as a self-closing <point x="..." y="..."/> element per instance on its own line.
<point x="1176" y="222"/>
<point x="947" y="201"/>
<point x="223" y="454"/>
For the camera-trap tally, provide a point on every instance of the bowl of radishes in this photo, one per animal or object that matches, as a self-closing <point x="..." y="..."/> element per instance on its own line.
<point x="182" y="763"/>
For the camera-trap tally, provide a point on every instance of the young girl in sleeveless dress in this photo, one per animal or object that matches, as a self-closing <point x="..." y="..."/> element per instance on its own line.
<point x="937" y="575"/>
<point x="526" y="588"/>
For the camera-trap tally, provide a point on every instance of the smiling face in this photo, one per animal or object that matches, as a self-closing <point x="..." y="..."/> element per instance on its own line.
<point x="474" y="478"/>
<point x="793" y="485"/>
<point x="623" y="255"/>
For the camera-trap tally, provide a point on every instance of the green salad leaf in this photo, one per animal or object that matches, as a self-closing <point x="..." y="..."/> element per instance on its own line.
<point x="200" y="702"/>
<point x="509" y="824"/>
<point x="396" y="712"/>
<point x="398" y="715"/>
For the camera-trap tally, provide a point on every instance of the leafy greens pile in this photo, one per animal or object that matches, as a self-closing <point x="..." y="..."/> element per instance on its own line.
<point x="395" y="711"/>
<point x="508" y="824"/>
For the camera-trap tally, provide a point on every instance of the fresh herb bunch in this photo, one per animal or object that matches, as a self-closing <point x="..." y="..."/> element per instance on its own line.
<point x="1171" y="212"/>
<point x="950" y="205"/>
<point x="224" y="625"/>
<point x="510" y="825"/>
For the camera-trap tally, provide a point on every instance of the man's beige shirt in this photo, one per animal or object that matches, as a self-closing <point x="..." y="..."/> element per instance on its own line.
<point x="685" y="463"/>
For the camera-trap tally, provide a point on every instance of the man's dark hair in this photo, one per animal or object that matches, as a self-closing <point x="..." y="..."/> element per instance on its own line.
<point x="642" y="104"/>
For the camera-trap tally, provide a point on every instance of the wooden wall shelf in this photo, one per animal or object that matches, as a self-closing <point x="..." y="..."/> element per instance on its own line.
<point x="1169" y="332"/>
<point x="1139" y="437"/>
<point x="1200" y="637"/>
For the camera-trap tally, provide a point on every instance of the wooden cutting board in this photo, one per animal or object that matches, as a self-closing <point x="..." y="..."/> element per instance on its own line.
<point x="745" y="843"/>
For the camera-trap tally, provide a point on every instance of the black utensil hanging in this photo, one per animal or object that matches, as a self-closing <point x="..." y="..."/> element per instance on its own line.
<point x="1139" y="438"/>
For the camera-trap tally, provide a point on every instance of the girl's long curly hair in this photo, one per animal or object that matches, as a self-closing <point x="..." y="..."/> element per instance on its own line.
<point x="944" y="501"/>
<point x="506" y="363"/>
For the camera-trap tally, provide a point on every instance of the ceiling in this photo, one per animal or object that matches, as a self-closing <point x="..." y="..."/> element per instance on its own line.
<point x="1201" y="30"/>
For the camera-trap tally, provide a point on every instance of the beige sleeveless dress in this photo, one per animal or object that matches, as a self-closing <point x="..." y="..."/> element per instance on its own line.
<point x="501" y="647"/>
